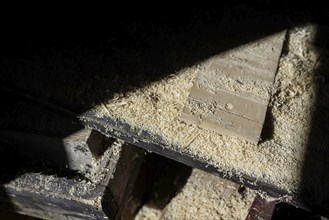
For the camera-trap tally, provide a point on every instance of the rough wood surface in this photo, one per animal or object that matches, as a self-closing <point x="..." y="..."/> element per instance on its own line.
<point x="52" y="168"/>
<point x="232" y="93"/>
<point x="55" y="197"/>
<point x="156" y="144"/>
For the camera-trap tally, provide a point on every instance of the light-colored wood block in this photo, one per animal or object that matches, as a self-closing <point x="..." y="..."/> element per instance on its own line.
<point x="231" y="95"/>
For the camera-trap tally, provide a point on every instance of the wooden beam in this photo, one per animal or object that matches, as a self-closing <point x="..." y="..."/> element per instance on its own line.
<point x="122" y="130"/>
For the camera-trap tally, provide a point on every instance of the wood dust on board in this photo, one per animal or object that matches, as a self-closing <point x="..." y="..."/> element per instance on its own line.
<point x="276" y="161"/>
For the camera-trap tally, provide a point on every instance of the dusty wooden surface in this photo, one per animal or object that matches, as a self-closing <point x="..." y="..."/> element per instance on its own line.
<point x="53" y="168"/>
<point x="156" y="144"/>
<point x="225" y="97"/>
<point x="52" y="197"/>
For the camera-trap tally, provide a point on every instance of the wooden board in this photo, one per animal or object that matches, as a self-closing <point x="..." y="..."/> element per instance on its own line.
<point x="155" y="144"/>
<point x="55" y="197"/>
<point x="232" y="93"/>
<point x="59" y="169"/>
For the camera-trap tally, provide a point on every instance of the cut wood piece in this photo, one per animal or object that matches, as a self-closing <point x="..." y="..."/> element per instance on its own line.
<point x="53" y="168"/>
<point x="232" y="103"/>
<point x="257" y="59"/>
<point x="231" y="95"/>
<point x="68" y="196"/>
<point x="230" y="124"/>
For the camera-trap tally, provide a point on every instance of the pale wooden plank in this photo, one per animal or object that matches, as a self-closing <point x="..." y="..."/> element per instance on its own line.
<point x="232" y="103"/>
<point x="231" y="95"/>
<point x="258" y="59"/>
<point x="225" y="123"/>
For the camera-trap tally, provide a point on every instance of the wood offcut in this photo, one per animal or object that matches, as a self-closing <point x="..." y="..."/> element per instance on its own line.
<point x="232" y="93"/>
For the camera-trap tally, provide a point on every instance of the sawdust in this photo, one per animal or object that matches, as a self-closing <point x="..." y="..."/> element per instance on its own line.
<point x="58" y="187"/>
<point x="202" y="108"/>
<point x="204" y="196"/>
<point x="156" y="108"/>
<point x="102" y="170"/>
<point x="148" y="213"/>
<point x="87" y="185"/>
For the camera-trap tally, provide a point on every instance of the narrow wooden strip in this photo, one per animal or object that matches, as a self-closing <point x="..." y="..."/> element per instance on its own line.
<point x="232" y="103"/>
<point x="258" y="59"/>
<point x="226" y="123"/>
<point x="231" y="95"/>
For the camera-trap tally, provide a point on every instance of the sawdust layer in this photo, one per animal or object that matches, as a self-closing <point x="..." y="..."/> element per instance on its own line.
<point x="276" y="161"/>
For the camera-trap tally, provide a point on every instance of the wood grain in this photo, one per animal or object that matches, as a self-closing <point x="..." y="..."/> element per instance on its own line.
<point x="231" y="95"/>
